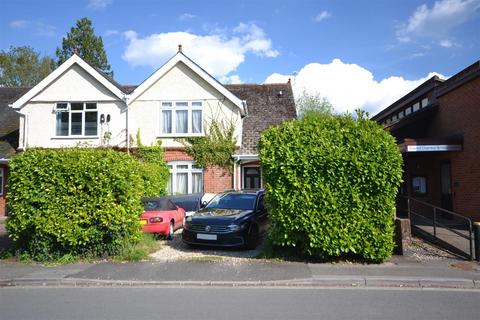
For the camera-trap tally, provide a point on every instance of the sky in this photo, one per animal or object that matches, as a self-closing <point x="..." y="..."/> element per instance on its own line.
<point x="357" y="54"/>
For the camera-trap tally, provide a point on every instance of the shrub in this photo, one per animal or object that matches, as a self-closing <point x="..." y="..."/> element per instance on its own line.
<point x="154" y="170"/>
<point x="331" y="183"/>
<point x="74" y="201"/>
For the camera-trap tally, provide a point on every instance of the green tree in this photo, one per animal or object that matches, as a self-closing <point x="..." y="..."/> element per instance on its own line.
<point x="23" y="67"/>
<point x="312" y="103"/>
<point x="82" y="40"/>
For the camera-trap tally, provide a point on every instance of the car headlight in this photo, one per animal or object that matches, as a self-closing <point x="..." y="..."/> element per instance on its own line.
<point x="235" y="227"/>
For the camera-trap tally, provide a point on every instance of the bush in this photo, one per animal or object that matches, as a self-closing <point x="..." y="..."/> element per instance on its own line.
<point x="74" y="202"/>
<point x="154" y="169"/>
<point x="331" y="183"/>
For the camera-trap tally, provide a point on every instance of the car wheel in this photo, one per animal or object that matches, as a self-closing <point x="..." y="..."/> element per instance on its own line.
<point x="252" y="238"/>
<point x="170" y="232"/>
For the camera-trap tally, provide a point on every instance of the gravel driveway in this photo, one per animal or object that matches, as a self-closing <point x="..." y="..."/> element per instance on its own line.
<point x="175" y="249"/>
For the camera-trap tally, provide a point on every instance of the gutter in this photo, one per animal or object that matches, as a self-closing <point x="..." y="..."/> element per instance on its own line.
<point x="23" y="146"/>
<point x="127" y="140"/>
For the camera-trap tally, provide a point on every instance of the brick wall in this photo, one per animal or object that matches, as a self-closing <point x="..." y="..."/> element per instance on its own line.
<point x="217" y="179"/>
<point x="214" y="179"/>
<point x="459" y="114"/>
<point x="2" y="197"/>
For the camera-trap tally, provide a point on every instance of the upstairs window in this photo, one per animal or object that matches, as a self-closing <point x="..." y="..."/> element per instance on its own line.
<point x="181" y="118"/>
<point x="76" y="119"/>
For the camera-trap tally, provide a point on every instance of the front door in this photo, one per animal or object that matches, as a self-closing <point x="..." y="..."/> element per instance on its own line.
<point x="446" y="186"/>
<point x="251" y="178"/>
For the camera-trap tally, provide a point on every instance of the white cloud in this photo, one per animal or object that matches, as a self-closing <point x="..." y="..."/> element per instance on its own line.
<point x="37" y="27"/>
<point x="218" y="53"/>
<point x="349" y="86"/>
<point x="99" y="4"/>
<point x="233" y="79"/>
<point x="19" y="24"/>
<point x="445" y="43"/>
<point x="438" y="20"/>
<point x="186" y="16"/>
<point x="322" y="16"/>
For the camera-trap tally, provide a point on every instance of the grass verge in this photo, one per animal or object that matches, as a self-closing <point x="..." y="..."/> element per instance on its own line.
<point x="139" y="251"/>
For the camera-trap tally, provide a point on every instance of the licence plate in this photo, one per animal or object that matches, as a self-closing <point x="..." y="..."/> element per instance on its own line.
<point x="143" y="222"/>
<point x="206" y="236"/>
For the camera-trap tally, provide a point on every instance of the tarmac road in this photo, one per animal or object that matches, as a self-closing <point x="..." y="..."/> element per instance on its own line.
<point x="237" y="303"/>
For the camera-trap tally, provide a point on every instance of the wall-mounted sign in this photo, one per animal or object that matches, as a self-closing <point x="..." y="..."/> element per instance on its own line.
<point x="434" y="148"/>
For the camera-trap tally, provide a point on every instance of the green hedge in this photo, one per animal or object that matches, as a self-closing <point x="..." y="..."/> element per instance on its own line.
<point x="154" y="169"/>
<point x="74" y="201"/>
<point x="331" y="183"/>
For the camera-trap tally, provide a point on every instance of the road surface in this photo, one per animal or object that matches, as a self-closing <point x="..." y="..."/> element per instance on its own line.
<point x="237" y="303"/>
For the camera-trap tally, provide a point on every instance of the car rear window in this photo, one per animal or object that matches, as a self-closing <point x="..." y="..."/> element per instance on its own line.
<point x="238" y="201"/>
<point x="158" y="204"/>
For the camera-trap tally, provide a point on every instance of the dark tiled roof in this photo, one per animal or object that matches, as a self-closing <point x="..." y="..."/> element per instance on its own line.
<point x="8" y="145"/>
<point x="9" y="119"/>
<point x="268" y="105"/>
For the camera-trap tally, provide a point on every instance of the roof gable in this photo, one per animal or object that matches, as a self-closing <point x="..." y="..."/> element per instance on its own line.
<point x="57" y="73"/>
<point x="181" y="58"/>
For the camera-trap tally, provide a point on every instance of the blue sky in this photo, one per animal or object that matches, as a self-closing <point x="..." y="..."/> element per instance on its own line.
<point x="355" y="53"/>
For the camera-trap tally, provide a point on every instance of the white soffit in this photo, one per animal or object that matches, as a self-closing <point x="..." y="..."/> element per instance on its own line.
<point x="74" y="59"/>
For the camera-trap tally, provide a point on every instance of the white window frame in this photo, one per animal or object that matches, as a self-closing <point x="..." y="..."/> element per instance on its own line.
<point x="70" y="111"/>
<point x="190" y="107"/>
<point x="2" y="181"/>
<point x="192" y="168"/>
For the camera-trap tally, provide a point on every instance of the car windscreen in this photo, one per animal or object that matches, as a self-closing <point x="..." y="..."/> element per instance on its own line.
<point x="237" y="201"/>
<point x="158" y="204"/>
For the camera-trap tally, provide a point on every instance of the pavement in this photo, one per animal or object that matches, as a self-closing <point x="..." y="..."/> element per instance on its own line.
<point x="398" y="272"/>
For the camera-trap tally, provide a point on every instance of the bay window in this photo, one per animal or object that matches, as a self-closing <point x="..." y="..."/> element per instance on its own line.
<point x="181" y="118"/>
<point x="185" y="177"/>
<point x="76" y="119"/>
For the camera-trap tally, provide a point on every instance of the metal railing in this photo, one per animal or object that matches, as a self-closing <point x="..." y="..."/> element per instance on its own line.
<point x="437" y="222"/>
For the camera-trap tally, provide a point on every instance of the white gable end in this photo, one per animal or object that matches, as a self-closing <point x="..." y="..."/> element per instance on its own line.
<point x="180" y="83"/>
<point x="75" y="84"/>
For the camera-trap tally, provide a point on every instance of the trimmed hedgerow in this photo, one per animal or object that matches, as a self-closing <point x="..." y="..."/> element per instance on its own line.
<point x="83" y="202"/>
<point x="331" y="183"/>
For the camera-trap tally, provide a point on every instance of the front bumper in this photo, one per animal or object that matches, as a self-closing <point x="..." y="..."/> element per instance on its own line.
<point x="230" y="239"/>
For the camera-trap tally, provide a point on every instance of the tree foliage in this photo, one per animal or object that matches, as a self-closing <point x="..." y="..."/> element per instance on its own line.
<point x="82" y="40"/>
<point x="215" y="148"/>
<point x="312" y="103"/>
<point x="23" y="67"/>
<point x="331" y="183"/>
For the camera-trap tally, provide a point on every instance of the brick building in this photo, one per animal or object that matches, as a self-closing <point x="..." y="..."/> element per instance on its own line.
<point x="437" y="126"/>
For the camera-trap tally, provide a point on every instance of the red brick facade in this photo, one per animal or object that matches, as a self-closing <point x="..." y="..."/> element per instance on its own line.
<point x="3" y="201"/>
<point x="452" y="118"/>
<point x="217" y="180"/>
<point x="459" y="114"/>
<point x="214" y="179"/>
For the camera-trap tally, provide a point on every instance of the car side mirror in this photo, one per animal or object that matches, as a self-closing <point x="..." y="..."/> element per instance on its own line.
<point x="204" y="204"/>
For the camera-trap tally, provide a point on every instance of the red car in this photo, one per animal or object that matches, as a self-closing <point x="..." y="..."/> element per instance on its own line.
<point x="161" y="216"/>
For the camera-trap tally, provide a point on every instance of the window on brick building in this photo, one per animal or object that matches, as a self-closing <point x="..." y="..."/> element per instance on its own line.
<point x="419" y="185"/>
<point x="185" y="177"/>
